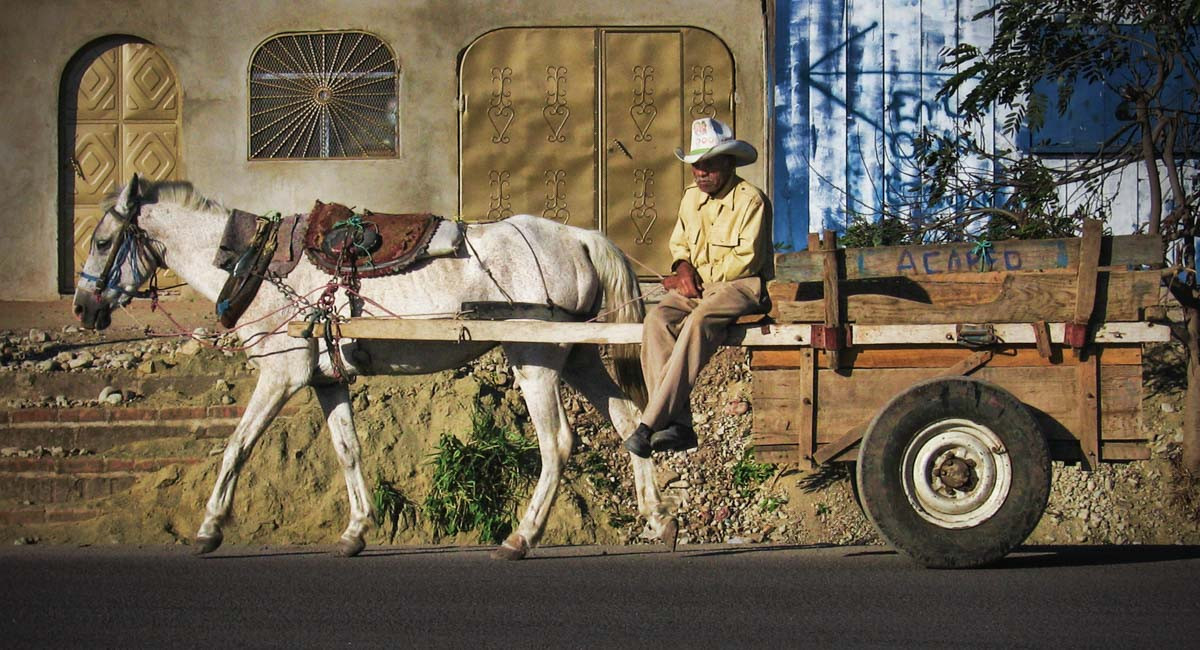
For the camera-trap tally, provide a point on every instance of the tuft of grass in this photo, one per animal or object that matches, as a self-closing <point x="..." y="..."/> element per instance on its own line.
<point x="478" y="484"/>
<point x="748" y="474"/>
<point x="391" y="505"/>
<point x="771" y="504"/>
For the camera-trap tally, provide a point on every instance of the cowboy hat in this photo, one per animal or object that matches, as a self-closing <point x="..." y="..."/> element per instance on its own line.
<point x="714" y="138"/>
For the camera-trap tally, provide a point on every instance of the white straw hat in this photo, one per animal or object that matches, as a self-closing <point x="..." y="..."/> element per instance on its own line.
<point x="713" y="138"/>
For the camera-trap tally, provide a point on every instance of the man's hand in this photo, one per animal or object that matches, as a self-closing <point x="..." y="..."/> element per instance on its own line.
<point x="686" y="281"/>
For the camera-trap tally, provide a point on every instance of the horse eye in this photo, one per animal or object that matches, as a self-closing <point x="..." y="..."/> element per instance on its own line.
<point x="102" y="243"/>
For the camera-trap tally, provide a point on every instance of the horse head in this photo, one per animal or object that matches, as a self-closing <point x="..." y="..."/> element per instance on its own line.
<point x="121" y="259"/>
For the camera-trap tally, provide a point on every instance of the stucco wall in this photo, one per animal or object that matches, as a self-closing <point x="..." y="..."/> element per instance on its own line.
<point x="210" y="44"/>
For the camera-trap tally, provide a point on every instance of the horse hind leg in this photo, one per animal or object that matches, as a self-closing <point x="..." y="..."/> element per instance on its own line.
<point x="269" y="396"/>
<point x="335" y="402"/>
<point x="537" y="369"/>
<point x="585" y="372"/>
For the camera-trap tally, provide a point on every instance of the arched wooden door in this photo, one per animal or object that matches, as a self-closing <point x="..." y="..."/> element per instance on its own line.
<point x="580" y="125"/>
<point x="120" y="113"/>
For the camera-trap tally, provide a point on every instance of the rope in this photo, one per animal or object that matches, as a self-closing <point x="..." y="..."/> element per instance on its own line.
<point x="983" y="249"/>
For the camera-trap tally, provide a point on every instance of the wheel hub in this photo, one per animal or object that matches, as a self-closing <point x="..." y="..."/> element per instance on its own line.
<point x="956" y="473"/>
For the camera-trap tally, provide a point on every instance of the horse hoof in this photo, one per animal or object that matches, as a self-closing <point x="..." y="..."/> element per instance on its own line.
<point x="205" y="545"/>
<point x="513" y="548"/>
<point x="350" y="547"/>
<point x="670" y="534"/>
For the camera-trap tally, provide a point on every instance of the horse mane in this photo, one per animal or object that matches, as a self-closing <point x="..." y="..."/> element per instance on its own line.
<point x="181" y="193"/>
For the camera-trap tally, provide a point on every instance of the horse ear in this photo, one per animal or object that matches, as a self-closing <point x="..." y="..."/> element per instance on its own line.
<point x="128" y="198"/>
<point x="135" y="193"/>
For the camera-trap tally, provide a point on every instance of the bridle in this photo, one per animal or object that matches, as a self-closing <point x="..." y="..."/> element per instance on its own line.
<point x="130" y="243"/>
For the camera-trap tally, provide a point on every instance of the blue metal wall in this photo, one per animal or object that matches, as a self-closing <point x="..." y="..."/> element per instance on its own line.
<point x="854" y="83"/>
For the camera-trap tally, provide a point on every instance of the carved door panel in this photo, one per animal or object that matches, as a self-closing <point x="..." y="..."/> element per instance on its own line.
<point x="123" y="117"/>
<point x="538" y="135"/>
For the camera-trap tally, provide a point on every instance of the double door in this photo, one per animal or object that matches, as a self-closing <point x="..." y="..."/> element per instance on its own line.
<point x="580" y="125"/>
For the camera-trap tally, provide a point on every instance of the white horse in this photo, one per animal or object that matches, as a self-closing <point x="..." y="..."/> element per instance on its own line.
<point x="525" y="259"/>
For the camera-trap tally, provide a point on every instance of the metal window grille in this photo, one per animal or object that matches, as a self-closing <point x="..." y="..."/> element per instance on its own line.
<point x="323" y="95"/>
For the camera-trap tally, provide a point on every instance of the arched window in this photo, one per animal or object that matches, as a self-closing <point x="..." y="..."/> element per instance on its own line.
<point x="323" y="95"/>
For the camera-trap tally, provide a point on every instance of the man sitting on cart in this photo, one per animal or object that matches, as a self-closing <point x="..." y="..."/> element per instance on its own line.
<point x="722" y="251"/>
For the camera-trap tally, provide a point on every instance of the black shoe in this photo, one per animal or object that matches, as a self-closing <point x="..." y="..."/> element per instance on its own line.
<point x="638" y="443"/>
<point x="676" y="437"/>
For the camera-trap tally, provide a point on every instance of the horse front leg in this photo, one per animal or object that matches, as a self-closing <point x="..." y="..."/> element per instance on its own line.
<point x="268" y="397"/>
<point x="585" y="372"/>
<point x="536" y="369"/>
<point x="335" y="402"/>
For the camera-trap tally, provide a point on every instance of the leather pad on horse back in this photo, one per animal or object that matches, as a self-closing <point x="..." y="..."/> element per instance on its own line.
<point x="402" y="238"/>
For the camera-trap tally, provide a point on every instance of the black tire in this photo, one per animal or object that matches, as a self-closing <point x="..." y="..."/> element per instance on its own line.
<point x="931" y="425"/>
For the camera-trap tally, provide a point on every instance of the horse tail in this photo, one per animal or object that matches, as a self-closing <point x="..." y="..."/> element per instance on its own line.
<point x="622" y="304"/>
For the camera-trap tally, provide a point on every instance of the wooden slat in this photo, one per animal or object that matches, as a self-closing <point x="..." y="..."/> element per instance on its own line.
<point x="1089" y="259"/>
<point x="1041" y="338"/>
<point x="1013" y="333"/>
<point x="1088" y="423"/>
<point x="831" y="278"/>
<point x="979" y="298"/>
<point x="940" y="357"/>
<point x="1125" y="451"/>
<point x="775" y="453"/>
<point x="806" y="408"/>
<point x="1022" y="256"/>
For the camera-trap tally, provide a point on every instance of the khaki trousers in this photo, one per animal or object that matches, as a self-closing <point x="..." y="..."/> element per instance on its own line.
<point x="680" y="335"/>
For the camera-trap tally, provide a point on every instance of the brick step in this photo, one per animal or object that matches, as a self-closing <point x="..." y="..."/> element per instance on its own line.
<point x="62" y="480"/>
<point x="46" y="514"/>
<point x="100" y="429"/>
<point x="87" y="385"/>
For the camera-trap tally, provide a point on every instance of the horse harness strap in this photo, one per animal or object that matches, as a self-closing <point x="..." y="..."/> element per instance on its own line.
<point x="129" y="240"/>
<point x="246" y="273"/>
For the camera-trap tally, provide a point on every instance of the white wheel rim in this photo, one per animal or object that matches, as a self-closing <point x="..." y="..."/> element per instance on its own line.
<point x="956" y="443"/>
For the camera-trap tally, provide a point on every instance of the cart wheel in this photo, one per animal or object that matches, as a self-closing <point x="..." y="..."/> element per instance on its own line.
<point x="954" y="472"/>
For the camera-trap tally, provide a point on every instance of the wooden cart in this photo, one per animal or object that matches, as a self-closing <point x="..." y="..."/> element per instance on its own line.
<point x="951" y="374"/>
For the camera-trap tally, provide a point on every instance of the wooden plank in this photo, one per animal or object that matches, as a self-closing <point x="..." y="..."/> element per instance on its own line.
<point x="1088" y="423"/>
<point x="776" y="335"/>
<point x="1041" y="338"/>
<point x="831" y="277"/>
<point x="939" y="357"/>
<point x="840" y="444"/>
<point x="1089" y="259"/>
<point x="1013" y="333"/>
<point x="979" y="298"/>
<point x="1126" y="451"/>
<point x="1125" y="251"/>
<point x="806" y="408"/>
<point x="780" y="454"/>
<point x="456" y="330"/>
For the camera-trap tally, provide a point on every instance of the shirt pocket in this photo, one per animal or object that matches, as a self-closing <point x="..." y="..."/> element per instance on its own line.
<point x="720" y="247"/>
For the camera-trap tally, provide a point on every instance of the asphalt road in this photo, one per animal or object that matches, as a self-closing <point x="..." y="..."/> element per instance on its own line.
<point x="719" y="596"/>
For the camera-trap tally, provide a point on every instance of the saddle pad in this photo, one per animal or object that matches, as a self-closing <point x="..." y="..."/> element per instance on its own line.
<point x="239" y="231"/>
<point x="403" y="238"/>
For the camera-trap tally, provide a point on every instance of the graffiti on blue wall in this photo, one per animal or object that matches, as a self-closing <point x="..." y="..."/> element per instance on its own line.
<point x="854" y="87"/>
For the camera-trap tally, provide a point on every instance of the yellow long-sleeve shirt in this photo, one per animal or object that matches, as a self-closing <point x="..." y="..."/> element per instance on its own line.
<point x="727" y="236"/>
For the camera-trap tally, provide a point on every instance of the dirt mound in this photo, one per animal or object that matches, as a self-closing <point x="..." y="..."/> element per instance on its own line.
<point x="291" y="491"/>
